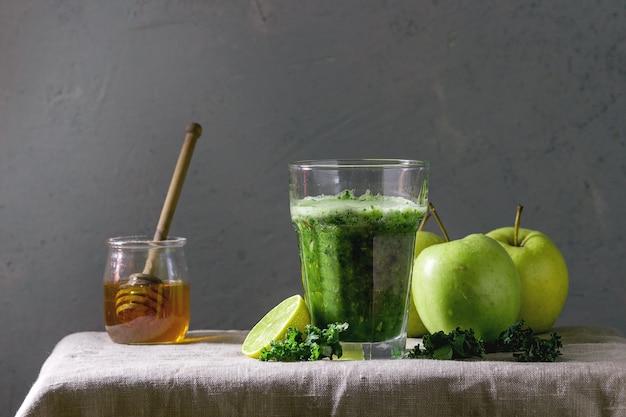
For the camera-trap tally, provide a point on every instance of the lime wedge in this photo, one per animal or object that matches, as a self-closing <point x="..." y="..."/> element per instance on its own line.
<point x="291" y="312"/>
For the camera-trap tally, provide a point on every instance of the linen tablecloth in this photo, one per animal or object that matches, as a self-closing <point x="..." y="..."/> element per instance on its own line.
<point x="88" y="375"/>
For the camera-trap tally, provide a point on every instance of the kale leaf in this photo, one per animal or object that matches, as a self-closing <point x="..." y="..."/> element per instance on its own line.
<point x="462" y="344"/>
<point x="312" y="344"/>
<point x="527" y="347"/>
<point x="458" y="344"/>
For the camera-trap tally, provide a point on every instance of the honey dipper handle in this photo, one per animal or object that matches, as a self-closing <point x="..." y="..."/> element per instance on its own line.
<point x="194" y="130"/>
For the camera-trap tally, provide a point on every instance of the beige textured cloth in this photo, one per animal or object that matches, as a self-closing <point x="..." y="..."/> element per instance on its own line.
<point x="88" y="375"/>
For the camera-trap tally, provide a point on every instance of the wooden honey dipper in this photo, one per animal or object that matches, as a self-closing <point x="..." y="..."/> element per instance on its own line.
<point x="143" y="295"/>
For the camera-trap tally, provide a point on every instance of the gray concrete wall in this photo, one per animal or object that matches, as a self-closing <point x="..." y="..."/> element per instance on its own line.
<point x="511" y="101"/>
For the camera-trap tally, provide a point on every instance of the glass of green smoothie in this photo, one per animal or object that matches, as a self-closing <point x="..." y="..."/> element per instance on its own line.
<point x="355" y="221"/>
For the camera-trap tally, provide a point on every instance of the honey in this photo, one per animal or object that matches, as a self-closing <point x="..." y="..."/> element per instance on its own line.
<point x="147" y="313"/>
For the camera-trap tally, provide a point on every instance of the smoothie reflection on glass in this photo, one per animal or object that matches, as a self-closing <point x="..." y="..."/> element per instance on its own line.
<point x="355" y="221"/>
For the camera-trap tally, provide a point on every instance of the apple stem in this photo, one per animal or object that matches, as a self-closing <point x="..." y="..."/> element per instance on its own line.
<point x="518" y="217"/>
<point x="436" y="216"/>
<point x="423" y="222"/>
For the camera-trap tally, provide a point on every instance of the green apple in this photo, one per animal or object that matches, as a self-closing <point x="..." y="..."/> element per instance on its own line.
<point x="415" y="327"/>
<point x="424" y="240"/>
<point x="470" y="283"/>
<point x="543" y="274"/>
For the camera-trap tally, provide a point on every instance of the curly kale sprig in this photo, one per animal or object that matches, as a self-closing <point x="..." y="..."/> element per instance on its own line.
<point x="458" y="344"/>
<point x="527" y="347"/>
<point x="311" y="345"/>
<point x="462" y="344"/>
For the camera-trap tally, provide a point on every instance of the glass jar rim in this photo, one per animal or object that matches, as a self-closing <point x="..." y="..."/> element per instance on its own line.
<point x="358" y="163"/>
<point x="141" y="241"/>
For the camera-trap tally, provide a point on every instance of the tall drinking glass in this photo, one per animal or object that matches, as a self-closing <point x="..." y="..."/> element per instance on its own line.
<point x="355" y="222"/>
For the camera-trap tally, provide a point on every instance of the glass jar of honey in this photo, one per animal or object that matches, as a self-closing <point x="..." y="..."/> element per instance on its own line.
<point x="146" y="290"/>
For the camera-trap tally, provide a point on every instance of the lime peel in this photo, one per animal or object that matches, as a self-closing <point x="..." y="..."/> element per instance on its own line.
<point x="291" y="312"/>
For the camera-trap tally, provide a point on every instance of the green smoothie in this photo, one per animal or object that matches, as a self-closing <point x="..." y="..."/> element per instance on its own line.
<point x="356" y="256"/>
